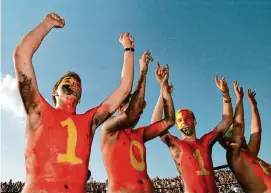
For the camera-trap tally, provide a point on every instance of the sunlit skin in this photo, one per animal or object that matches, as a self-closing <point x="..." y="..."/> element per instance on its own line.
<point x="252" y="173"/>
<point x="191" y="155"/>
<point x="123" y="144"/>
<point x="58" y="140"/>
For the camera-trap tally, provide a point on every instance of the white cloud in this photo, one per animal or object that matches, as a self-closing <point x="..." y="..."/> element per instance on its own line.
<point x="10" y="99"/>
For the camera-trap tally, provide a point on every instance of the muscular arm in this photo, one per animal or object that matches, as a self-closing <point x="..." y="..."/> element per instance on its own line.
<point x="256" y="130"/>
<point x="111" y="103"/>
<point x="238" y="129"/>
<point x="227" y="115"/>
<point x="168" y="121"/>
<point x="132" y="113"/>
<point x="156" y="116"/>
<point x="25" y="74"/>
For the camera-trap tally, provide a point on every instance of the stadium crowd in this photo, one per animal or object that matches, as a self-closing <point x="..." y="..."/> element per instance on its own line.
<point x="225" y="181"/>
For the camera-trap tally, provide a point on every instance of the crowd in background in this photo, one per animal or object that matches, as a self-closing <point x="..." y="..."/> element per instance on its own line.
<point x="225" y="181"/>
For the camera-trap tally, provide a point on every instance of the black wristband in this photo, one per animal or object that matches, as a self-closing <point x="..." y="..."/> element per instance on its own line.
<point x="227" y="100"/>
<point x="129" y="49"/>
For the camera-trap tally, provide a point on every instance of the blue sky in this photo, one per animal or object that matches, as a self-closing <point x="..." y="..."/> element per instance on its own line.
<point x="197" y="40"/>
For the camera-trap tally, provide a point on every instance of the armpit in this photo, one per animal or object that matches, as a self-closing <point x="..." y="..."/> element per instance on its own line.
<point x="167" y="139"/>
<point x="25" y="86"/>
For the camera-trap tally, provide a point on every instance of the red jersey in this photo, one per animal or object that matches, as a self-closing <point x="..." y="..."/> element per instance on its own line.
<point x="57" y="151"/>
<point x="124" y="156"/>
<point x="253" y="174"/>
<point x="194" y="162"/>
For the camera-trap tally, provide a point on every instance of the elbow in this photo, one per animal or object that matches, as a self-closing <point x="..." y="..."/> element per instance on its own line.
<point x="170" y="121"/>
<point x="17" y="52"/>
<point x="133" y="115"/>
<point x="20" y="51"/>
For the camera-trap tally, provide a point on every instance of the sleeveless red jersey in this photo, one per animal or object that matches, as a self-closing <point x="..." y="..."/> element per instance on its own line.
<point x="57" y="151"/>
<point x="124" y="156"/>
<point x="194" y="162"/>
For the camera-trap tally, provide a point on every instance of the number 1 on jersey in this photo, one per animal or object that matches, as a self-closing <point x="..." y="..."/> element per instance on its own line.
<point x="69" y="156"/>
<point x="202" y="171"/>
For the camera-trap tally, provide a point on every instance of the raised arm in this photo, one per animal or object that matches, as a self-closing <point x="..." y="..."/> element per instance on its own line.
<point x="114" y="100"/>
<point x="137" y="103"/>
<point x="162" y="125"/>
<point x="256" y="128"/>
<point x="22" y="57"/>
<point x="227" y="115"/>
<point x="158" y="114"/>
<point x="238" y="122"/>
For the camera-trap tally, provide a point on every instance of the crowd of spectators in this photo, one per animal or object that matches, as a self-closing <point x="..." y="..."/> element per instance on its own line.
<point x="169" y="185"/>
<point x="225" y="181"/>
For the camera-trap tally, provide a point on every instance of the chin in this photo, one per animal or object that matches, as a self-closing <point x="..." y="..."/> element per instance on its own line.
<point x="71" y="98"/>
<point x="189" y="134"/>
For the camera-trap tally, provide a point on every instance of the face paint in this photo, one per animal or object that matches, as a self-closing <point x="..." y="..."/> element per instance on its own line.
<point x="70" y="86"/>
<point x="188" y="131"/>
<point x="227" y="138"/>
<point x="185" y="122"/>
<point x="228" y="133"/>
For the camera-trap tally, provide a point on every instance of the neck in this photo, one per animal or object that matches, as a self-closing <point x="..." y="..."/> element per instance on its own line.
<point x="67" y="106"/>
<point x="189" y="138"/>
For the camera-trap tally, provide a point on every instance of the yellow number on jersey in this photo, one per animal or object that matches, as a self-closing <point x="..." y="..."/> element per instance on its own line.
<point x="202" y="171"/>
<point x="69" y="156"/>
<point x="139" y="166"/>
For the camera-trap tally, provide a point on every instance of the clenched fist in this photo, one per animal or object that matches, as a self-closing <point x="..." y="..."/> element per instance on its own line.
<point x="126" y="40"/>
<point x="53" y="20"/>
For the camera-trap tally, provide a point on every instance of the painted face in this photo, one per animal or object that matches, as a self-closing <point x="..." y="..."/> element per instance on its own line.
<point x="185" y="122"/>
<point x="70" y="86"/>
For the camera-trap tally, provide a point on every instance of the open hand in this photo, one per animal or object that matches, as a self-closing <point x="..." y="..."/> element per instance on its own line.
<point x="222" y="85"/>
<point x="251" y="97"/>
<point x="238" y="92"/>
